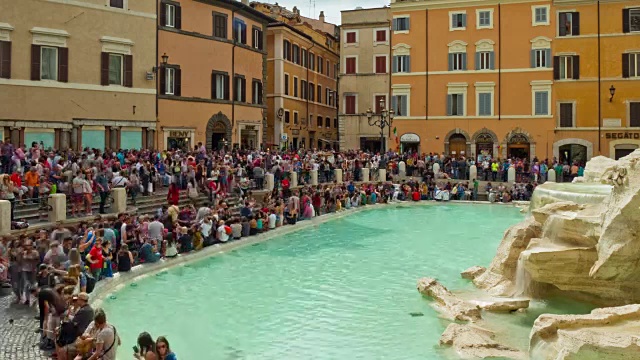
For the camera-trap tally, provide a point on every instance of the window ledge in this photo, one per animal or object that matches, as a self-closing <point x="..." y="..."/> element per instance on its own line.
<point x="395" y="32"/>
<point x="458" y="28"/>
<point x="484" y="27"/>
<point x="541" y="24"/>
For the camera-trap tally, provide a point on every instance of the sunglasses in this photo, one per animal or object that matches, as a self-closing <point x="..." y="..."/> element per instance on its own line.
<point x="162" y="346"/>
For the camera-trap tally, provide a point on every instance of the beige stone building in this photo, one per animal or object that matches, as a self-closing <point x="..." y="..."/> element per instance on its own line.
<point x="78" y="73"/>
<point x="364" y="83"/>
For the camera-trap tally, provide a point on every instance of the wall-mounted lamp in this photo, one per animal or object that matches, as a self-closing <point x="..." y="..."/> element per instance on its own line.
<point x="612" y="91"/>
<point x="165" y="60"/>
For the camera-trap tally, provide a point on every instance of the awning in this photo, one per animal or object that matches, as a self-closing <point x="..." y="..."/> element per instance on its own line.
<point x="328" y="141"/>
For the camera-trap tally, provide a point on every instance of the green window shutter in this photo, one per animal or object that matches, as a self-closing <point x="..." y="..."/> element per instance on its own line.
<point x="449" y="104"/>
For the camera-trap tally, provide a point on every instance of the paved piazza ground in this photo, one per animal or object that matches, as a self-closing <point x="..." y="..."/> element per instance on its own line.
<point x="18" y="341"/>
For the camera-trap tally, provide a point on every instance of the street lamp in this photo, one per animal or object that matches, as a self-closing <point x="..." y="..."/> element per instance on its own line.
<point x="382" y="120"/>
<point x="165" y="60"/>
<point x="612" y="91"/>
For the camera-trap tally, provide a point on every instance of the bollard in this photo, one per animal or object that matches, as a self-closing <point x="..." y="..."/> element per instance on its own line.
<point x="365" y="175"/>
<point x="293" y="181"/>
<point x="119" y="200"/>
<point x="382" y="175"/>
<point x="551" y="175"/>
<point x="473" y="172"/>
<point x="511" y="175"/>
<point x="436" y="170"/>
<point x="338" y="175"/>
<point x="57" y="207"/>
<point x="314" y="177"/>
<point x="269" y="180"/>
<point x="402" y="169"/>
<point x="5" y="217"/>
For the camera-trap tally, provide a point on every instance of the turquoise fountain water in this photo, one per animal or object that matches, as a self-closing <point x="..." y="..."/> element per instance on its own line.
<point x="342" y="290"/>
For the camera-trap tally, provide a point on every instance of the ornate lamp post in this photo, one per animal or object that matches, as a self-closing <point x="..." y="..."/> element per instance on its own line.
<point x="382" y="120"/>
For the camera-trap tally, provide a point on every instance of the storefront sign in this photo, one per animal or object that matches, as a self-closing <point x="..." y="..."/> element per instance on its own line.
<point x="622" y="135"/>
<point x="410" y="138"/>
<point x="179" y="134"/>
<point x="611" y="122"/>
<point x="249" y="127"/>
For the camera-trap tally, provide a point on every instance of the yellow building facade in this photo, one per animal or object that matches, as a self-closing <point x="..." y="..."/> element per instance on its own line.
<point x="597" y="78"/>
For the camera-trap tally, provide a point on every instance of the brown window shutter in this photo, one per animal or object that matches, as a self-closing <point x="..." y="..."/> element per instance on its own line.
<point x="5" y="59"/>
<point x="128" y="70"/>
<point x="177" y="88"/>
<point x="244" y="90"/>
<point x="213" y="85"/>
<point x="162" y="74"/>
<point x="226" y="87"/>
<point x="625" y="65"/>
<point x="556" y="67"/>
<point x="178" y="17"/>
<point x="634" y="114"/>
<point x="35" y="62"/>
<point x="163" y="14"/>
<point x="575" y="23"/>
<point x="63" y="65"/>
<point x="576" y="67"/>
<point x="104" y="68"/>
<point x="244" y="33"/>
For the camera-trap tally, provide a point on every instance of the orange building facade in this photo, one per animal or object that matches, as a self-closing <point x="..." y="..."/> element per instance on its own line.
<point x="597" y="78"/>
<point x="302" y="69"/>
<point x="211" y="88"/>
<point x="473" y="78"/>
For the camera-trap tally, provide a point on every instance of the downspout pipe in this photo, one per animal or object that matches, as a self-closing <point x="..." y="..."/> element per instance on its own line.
<point x="233" y="78"/>
<point x="426" y="94"/>
<point x="499" y="64"/>
<point x="157" y="74"/>
<point x="386" y="146"/>
<point x="599" y="88"/>
<point x="307" y="120"/>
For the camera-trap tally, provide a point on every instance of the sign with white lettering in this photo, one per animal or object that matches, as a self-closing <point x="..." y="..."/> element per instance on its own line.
<point x="410" y="138"/>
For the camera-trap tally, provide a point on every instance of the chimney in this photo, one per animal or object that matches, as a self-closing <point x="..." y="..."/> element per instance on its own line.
<point x="321" y="16"/>
<point x="295" y="10"/>
<point x="246" y="2"/>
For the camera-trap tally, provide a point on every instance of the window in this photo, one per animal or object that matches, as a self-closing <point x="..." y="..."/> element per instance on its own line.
<point x="286" y="50"/>
<point x="458" y="21"/>
<point x="381" y="64"/>
<point x="401" y="24"/>
<point x="455" y="104"/>
<point x="631" y="65"/>
<point x="319" y="92"/>
<point x="566" y="115"/>
<point x="239" y="31"/>
<point x="484" y="104"/>
<point x="286" y="84"/>
<point x="303" y="89"/>
<point x="335" y="123"/>
<point x="117" y="4"/>
<point x="484" y="60"/>
<point x="320" y="65"/>
<point x="257" y="38"/>
<point x="484" y="18"/>
<point x="312" y="91"/>
<point x="381" y="35"/>
<point x="295" y="118"/>
<point x="219" y="86"/>
<point x="295" y="55"/>
<point x="350" y="63"/>
<point x="332" y="98"/>
<point x="319" y="121"/>
<point x="569" y="24"/>
<point x="631" y="20"/>
<point x="327" y="123"/>
<point x="220" y="25"/>
<point x="239" y="89"/>
<point x="5" y="59"/>
<point x="286" y="116"/>
<point x="169" y="15"/>
<point x="117" y="69"/>
<point x="169" y="82"/>
<point x="49" y="64"/>
<point x="326" y="96"/>
<point x="566" y="67"/>
<point x="540" y="15"/>
<point x="379" y="103"/>
<point x="351" y="37"/>
<point x="400" y="104"/>
<point x="457" y="61"/>
<point x="328" y="68"/>
<point x="350" y="104"/>
<point x="312" y="61"/>
<point x="634" y="114"/>
<point x="401" y="64"/>
<point x="256" y="92"/>
<point x="541" y="58"/>
<point x="295" y="86"/>
<point x="541" y="99"/>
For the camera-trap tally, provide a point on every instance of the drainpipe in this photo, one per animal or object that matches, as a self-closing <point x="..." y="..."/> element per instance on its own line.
<point x="599" y="88"/>
<point x="426" y="42"/>
<point x="390" y="80"/>
<point x="157" y="132"/>
<point x="233" y="78"/>
<point x="499" y="65"/>
<point x="313" y="44"/>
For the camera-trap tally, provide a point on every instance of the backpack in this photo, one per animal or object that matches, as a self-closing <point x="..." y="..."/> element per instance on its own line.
<point x="91" y="283"/>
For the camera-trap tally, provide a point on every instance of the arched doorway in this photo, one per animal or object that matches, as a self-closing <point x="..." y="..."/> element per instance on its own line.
<point x="573" y="153"/>
<point x="457" y="145"/>
<point x="518" y="146"/>
<point x="218" y="132"/>
<point x="484" y="145"/>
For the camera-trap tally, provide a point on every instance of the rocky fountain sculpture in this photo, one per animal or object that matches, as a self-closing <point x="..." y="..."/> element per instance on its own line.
<point x="581" y="241"/>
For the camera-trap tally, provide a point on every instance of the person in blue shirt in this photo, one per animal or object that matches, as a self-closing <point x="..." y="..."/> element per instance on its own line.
<point x="351" y="188"/>
<point x="148" y="254"/>
<point x="163" y="349"/>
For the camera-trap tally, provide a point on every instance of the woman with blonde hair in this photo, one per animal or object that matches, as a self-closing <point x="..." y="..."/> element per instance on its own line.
<point x="7" y="192"/>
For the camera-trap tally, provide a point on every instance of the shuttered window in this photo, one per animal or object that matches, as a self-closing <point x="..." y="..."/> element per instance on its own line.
<point x="484" y="104"/>
<point x="5" y="59"/>
<point x="312" y="92"/>
<point x="351" y="37"/>
<point x="455" y="104"/>
<point x="256" y="92"/>
<point x="350" y="65"/>
<point x="541" y="99"/>
<point x="117" y="69"/>
<point x="457" y="61"/>
<point x="219" y="85"/>
<point x="350" y="104"/>
<point x="401" y="24"/>
<point x="566" y="115"/>
<point x="400" y="105"/>
<point x="569" y="24"/>
<point x="634" y="114"/>
<point x="239" y="89"/>
<point x="381" y="35"/>
<point x="631" y="20"/>
<point x="220" y="25"/>
<point x="631" y="65"/>
<point x="401" y="64"/>
<point x="286" y="84"/>
<point x="381" y="64"/>
<point x="319" y="93"/>
<point x="116" y="3"/>
<point x="541" y="58"/>
<point x="485" y="60"/>
<point x="239" y="31"/>
<point x="257" y="38"/>
<point x="171" y="14"/>
<point x="458" y="21"/>
<point x="566" y="67"/>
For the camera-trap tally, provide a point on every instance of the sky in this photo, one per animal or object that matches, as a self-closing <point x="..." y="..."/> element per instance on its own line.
<point x="331" y="8"/>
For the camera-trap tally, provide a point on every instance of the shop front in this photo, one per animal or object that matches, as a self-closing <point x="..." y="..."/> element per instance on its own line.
<point x="179" y="138"/>
<point x="410" y="142"/>
<point x="370" y="143"/>
<point x="518" y="146"/>
<point x="249" y="136"/>
<point x="622" y="143"/>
